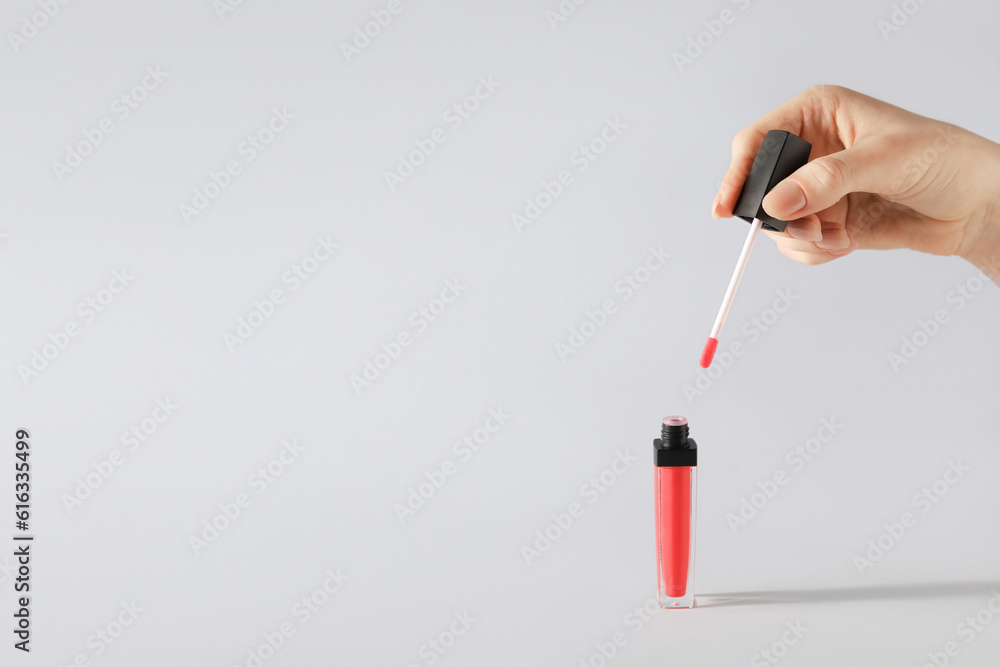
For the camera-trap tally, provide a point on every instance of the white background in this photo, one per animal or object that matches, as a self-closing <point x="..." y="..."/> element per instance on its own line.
<point x="494" y="347"/>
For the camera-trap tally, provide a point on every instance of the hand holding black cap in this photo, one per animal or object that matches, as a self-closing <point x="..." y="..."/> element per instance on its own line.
<point x="778" y="157"/>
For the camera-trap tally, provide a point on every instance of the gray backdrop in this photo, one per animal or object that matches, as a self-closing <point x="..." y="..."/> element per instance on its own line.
<point x="200" y="247"/>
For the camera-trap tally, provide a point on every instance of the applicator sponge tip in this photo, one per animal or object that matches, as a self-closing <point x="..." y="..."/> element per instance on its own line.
<point x="709" y="352"/>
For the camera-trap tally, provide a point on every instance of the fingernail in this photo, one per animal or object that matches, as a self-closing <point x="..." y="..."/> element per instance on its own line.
<point x="785" y="200"/>
<point x="838" y="243"/>
<point x="715" y="202"/>
<point x="846" y="251"/>
<point x="803" y="234"/>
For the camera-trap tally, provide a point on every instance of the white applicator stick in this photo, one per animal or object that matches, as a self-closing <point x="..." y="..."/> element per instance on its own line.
<point x="727" y="302"/>
<point x="779" y="155"/>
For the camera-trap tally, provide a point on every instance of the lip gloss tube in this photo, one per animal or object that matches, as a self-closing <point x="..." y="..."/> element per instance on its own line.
<point x="676" y="458"/>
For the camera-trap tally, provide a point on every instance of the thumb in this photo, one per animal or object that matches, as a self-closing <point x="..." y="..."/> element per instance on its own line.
<point x="823" y="182"/>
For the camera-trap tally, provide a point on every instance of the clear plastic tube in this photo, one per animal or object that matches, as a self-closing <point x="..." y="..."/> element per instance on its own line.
<point x="675" y="456"/>
<point x="675" y="535"/>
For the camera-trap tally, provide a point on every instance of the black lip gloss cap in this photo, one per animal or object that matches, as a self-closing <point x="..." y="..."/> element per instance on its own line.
<point x="778" y="157"/>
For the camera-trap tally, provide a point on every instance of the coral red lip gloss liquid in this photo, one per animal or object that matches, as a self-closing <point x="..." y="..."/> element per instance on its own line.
<point x="676" y="458"/>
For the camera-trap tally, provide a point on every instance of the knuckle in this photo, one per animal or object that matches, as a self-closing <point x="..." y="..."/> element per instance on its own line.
<point x="830" y="173"/>
<point x="742" y="139"/>
<point x="825" y="91"/>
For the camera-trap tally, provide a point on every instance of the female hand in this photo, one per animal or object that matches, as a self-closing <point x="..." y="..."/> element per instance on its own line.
<point x="880" y="177"/>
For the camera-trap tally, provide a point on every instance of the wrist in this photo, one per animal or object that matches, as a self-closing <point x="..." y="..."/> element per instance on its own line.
<point x="983" y="246"/>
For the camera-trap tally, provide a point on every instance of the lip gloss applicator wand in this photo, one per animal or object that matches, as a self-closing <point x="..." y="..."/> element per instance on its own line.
<point x="727" y="301"/>
<point x="778" y="157"/>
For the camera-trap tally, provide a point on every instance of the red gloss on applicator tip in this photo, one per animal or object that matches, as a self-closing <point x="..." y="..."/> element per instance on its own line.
<point x="709" y="352"/>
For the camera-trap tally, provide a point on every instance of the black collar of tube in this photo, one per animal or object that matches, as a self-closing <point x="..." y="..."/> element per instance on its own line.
<point x="675" y="456"/>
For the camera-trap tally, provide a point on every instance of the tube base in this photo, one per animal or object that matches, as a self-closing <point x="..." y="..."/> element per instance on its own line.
<point x="685" y="602"/>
